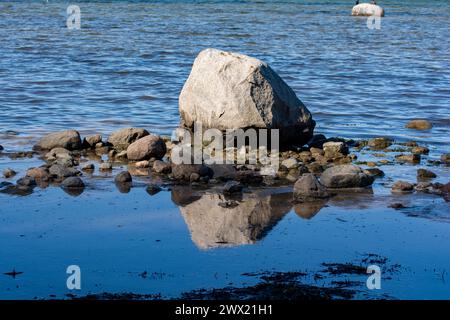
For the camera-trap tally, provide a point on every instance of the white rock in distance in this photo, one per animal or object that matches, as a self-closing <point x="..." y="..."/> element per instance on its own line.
<point x="367" y="9"/>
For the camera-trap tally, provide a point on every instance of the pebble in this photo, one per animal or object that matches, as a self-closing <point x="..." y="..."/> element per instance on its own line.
<point x="420" y="150"/>
<point x="402" y="186"/>
<point x="425" y="174"/>
<point x="379" y="143"/>
<point x="232" y="187"/>
<point x="412" y="158"/>
<point x="105" y="166"/>
<point x="9" y="173"/>
<point x="419" y="124"/>
<point x="88" y="167"/>
<point x="73" y="182"/>
<point x="123" y="177"/>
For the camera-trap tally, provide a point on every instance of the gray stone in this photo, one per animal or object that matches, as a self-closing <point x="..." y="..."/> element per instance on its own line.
<point x="402" y="186"/>
<point x="148" y="147"/>
<point x="92" y="141"/>
<point x="345" y="176"/>
<point x="69" y="139"/>
<point x="335" y="149"/>
<point x="121" y="139"/>
<point x="379" y="143"/>
<point x="161" y="167"/>
<point x="105" y="166"/>
<point x="73" y="182"/>
<point x="425" y="174"/>
<point x="60" y="171"/>
<point x="232" y="187"/>
<point x="411" y="158"/>
<point x="308" y="188"/>
<point x="228" y="90"/>
<point x="123" y="177"/>
<point x="184" y="171"/>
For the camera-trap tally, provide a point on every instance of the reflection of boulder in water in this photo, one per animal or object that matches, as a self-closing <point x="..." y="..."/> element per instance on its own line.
<point x="212" y="225"/>
<point x="307" y="210"/>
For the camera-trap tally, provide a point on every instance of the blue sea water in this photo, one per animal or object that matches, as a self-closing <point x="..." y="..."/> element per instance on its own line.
<point x="126" y="67"/>
<point x="127" y="64"/>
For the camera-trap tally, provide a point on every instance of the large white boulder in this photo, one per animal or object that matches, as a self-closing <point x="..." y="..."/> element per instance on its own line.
<point x="367" y="9"/>
<point x="228" y="90"/>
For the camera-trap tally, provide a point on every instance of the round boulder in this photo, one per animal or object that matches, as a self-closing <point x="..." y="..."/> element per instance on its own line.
<point x="308" y="188"/>
<point x="345" y="176"/>
<point x="150" y="146"/>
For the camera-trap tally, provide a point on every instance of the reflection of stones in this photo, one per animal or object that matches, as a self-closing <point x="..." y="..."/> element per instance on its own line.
<point x="153" y="189"/>
<point x="15" y="190"/>
<point x="214" y="224"/>
<point x="307" y="210"/>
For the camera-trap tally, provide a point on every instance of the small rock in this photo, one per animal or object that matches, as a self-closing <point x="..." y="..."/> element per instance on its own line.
<point x="375" y="172"/>
<point x="308" y="188"/>
<point x="334" y="150"/>
<point x="290" y="163"/>
<point x="61" y="171"/>
<point x="232" y="187"/>
<point x="92" y="141"/>
<point x="9" y="173"/>
<point x="161" y="167"/>
<point x="397" y="206"/>
<point x="371" y="164"/>
<point x="420" y="150"/>
<point x="379" y="143"/>
<point x="425" y="174"/>
<point x="123" y="177"/>
<point x="419" y="124"/>
<point x="72" y="183"/>
<point x="142" y="164"/>
<point x="194" y="177"/>
<point x="105" y="166"/>
<point x="150" y="146"/>
<point x="184" y="171"/>
<point x="410" y="144"/>
<point x="38" y="173"/>
<point x="411" y="158"/>
<point x="122" y="138"/>
<point x="345" y="176"/>
<point x="69" y="139"/>
<point x="88" y="167"/>
<point x="26" y="182"/>
<point x="1" y="148"/>
<point x="445" y="158"/>
<point x="317" y="141"/>
<point x="402" y="186"/>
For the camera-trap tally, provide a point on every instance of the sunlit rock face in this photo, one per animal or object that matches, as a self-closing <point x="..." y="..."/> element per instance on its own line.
<point x="214" y="222"/>
<point x="367" y="9"/>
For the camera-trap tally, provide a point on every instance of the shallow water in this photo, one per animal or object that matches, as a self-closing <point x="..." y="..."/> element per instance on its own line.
<point x="126" y="67"/>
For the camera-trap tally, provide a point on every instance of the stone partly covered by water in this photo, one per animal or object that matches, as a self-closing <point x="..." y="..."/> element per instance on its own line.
<point x="123" y="138"/>
<point x="228" y="90"/>
<point x="419" y="124"/>
<point x="345" y="176"/>
<point x="69" y="139"/>
<point x="367" y="9"/>
<point x="150" y="146"/>
<point x="308" y="188"/>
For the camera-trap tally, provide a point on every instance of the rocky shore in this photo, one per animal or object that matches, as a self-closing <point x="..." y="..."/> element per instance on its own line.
<point x="317" y="171"/>
<point x="228" y="91"/>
